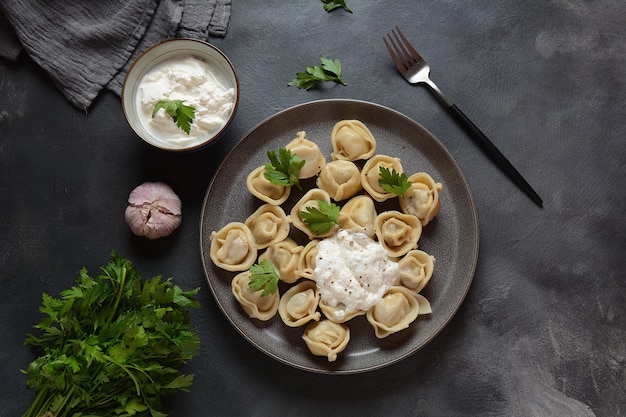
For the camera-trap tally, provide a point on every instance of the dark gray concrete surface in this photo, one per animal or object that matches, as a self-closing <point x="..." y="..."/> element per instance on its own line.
<point x="542" y="331"/>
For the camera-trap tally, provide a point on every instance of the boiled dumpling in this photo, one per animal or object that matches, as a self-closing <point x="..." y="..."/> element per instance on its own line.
<point x="422" y="199"/>
<point x="339" y="314"/>
<point x="298" y="305"/>
<point x="325" y="338"/>
<point x="341" y="179"/>
<point x="284" y="256"/>
<point x="370" y="175"/>
<point x="351" y="141"/>
<point x="265" y="190"/>
<point x="310" y="199"/>
<point x="394" y="312"/>
<point x="308" y="151"/>
<point x="397" y="232"/>
<point x="269" y="224"/>
<point x="233" y="247"/>
<point x="416" y="269"/>
<point x="425" y="307"/>
<point x="306" y="259"/>
<point x="257" y="306"/>
<point x="359" y="213"/>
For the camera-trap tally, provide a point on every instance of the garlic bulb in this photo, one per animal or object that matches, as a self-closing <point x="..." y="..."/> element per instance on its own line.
<point x="154" y="210"/>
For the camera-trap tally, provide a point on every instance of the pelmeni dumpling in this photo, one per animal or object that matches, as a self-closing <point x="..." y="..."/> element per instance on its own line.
<point x="397" y="232"/>
<point x="284" y="256"/>
<point x="310" y="199"/>
<point x="265" y="190"/>
<point x="415" y="269"/>
<point x="341" y="179"/>
<point x="359" y="213"/>
<point x="298" y="305"/>
<point x="339" y="314"/>
<point x="308" y="151"/>
<point x="422" y="199"/>
<point x="306" y="259"/>
<point x="394" y="312"/>
<point x="269" y="224"/>
<point x="425" y="307"/>
<point x="257" y="306"/>
<point x="370" y="175"/>
<point x="351" y="141"/>
<point x="233" y="247"/>
<point x="325" y="338"/>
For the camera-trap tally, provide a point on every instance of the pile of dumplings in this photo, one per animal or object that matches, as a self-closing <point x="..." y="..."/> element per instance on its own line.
<point x="350" y="180"/>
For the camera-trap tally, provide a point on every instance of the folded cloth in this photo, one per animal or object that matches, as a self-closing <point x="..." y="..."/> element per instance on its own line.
<point x="86" y="46"/>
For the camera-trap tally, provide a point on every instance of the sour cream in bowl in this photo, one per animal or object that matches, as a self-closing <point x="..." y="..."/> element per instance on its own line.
<point x="180" y="75"/>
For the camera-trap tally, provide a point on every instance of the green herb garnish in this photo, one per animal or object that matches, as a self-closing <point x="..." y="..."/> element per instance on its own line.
<point x="284" y="168"/>
<point x="111" y="345"/>
<point x="330" y="70"/>
<point x="321" y="218"/>
<point x="393" y="182"/>
<point x="182" y="114"/>
<point x="263" y="276"/>
<point x="334" y="4"/>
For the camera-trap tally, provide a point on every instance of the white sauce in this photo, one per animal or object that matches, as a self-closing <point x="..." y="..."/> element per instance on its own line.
<point x="197" y="83"/>
<point x="352" y="271"/>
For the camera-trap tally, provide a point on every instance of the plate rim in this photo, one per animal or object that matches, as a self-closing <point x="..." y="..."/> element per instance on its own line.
<point x="473" y="215"/>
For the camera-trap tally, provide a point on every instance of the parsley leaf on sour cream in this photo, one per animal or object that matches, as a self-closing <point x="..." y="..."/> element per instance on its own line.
<point x="182" y="114"/>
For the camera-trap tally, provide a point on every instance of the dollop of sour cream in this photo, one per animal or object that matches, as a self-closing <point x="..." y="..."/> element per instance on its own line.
<point x="352" y="271"/>
<point x="199" y="85"/>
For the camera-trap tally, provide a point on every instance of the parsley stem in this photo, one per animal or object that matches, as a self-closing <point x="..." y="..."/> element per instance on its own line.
<point x="120" y="291"/>
<point x="57" y="412"/>
<point x="128" y="372"/>
<point x="40" y="405"/>
<point x="43" y="403"/>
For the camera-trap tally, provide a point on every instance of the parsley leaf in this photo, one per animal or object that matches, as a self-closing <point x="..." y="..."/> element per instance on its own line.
<point x="263" y="276"/>
<point x="334" y="4"/>
<point x="321" y="218"/>
<point x="111" y="345"/>
<point x="284" y="168"/>
<point x="182" y="114"/>
<point x="393" y="182"/>
<point x="330" y="70"/>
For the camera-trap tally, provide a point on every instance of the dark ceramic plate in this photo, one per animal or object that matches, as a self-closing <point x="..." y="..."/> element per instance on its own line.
<point x="452" y="238"/>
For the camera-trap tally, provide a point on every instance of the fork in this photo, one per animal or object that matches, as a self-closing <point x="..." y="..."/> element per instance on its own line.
<point x="415" y="70"/>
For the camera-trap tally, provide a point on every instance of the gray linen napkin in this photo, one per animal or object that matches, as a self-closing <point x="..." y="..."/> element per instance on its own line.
<point x="86" y="46"/>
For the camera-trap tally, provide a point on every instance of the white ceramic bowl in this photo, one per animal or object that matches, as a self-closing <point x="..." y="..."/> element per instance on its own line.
<point x="221" y="67"/>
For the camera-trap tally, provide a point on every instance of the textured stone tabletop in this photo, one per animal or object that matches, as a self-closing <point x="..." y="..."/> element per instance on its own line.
<point x="542" y="331"/>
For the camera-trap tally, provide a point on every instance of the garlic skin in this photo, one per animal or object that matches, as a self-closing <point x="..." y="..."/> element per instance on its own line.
<point x="154" y="210"/>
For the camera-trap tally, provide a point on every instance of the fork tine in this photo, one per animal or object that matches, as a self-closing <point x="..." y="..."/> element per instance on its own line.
<point x="396" y="59"/>
<point x="402" y="57"/>
<point x="405" y="55"/>
<point x="411" y="50"/>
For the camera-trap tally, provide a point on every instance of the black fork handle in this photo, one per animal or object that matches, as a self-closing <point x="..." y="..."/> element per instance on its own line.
<point x="490" y="149"/>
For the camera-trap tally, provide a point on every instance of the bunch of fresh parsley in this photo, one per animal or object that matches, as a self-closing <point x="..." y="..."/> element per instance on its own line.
<point x="112" y="345"/>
